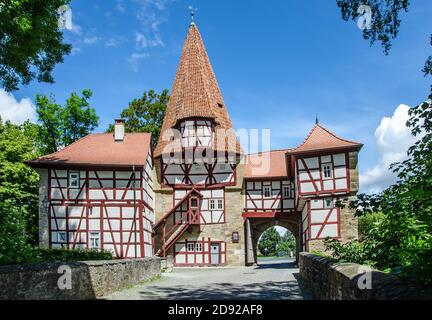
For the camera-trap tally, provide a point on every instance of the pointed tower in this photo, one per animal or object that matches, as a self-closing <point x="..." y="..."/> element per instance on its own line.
<point x="196" y="105"/>
<point x="198" y="199"/>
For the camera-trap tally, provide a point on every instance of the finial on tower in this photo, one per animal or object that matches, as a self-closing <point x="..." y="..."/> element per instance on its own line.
<point x="192" y="13"/>
<point x="317" y="120"/>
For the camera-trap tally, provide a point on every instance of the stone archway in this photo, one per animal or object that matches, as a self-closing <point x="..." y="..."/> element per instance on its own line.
<point x="256" y="226"/>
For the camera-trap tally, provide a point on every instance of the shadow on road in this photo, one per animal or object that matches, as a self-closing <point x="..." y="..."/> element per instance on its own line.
<point x="270" y="290"/>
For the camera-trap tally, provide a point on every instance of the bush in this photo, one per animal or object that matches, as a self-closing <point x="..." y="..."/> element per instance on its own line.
<point x="14" y="247"/>
<point x="68" y="255"/>
<point x="368" y="221"/>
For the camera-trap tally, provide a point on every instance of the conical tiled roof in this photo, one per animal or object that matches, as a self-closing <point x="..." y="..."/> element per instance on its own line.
<point x="321" y="139"/>
<point x="196" y="93"/>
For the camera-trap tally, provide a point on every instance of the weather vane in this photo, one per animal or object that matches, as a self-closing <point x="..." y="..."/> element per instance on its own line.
<point x="192" y="13"/>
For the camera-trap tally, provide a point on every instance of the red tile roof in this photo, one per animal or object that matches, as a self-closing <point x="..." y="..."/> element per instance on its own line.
<point x="100" y="149"/>
<point x="322" y="139"/>
<point x="270" y="164"/>
<point x="196" y="94"/>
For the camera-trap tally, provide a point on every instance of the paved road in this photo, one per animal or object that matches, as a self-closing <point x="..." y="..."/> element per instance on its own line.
<point x="271" y="279"/>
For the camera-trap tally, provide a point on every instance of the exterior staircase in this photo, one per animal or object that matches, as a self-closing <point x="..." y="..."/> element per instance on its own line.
<point x="167" y="232"/>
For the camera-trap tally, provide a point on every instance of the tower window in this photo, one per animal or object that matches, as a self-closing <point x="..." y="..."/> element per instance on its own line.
<point x="267" y="191"/>
<point x="327" y="170"/>
<point x="74" y="180"/>
<point x="286" y="192"/>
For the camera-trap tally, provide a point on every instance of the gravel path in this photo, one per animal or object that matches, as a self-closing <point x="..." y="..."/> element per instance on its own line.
<point x="272" y="279"/>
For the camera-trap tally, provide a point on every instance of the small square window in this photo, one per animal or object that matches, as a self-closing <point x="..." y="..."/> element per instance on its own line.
<point x="198" y="247"/>
<point x="267" y="191"/>
<point x="220" y="204"/>
<point x="191" y="247"/>
<point x="61" y="237"/>
<point x="74" y="179"/>
<point x="94" y="240"/>
<point x="194" y="203"/>
<point x="328" y="203"/>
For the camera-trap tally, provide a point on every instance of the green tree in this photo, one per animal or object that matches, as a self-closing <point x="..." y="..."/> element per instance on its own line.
<point x="146" y="114"/>
<point x="31" y="43"/>
<point x="61" y="126"/>
<point x="287" y="243"/>
<point x="18" y="182"/>
<point x="269" y="241"/>
<point x="14" y="246"/>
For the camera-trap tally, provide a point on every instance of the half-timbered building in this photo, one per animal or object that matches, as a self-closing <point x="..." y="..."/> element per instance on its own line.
<point x="196" y="197"/>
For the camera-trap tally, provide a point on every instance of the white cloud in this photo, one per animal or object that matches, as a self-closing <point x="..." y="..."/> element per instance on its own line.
<point x="16" y="111"/>
<point x="112" y="42"/>
<point x="91" y="40"/>
<point x="393" y="139"/>
<point x="119" y="6"/>
<point x="135" y="58"/>
<point x="76" y="29"/>
<point x="142" y="42"/>
<point x="76" y="50"/>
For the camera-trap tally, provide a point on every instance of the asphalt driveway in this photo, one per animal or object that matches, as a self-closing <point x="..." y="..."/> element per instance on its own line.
<point x="271" y="279"/>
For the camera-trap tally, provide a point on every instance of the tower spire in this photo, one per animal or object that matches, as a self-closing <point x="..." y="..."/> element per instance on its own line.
<point x="316" y="119"/>
<point x="192" y="11"/>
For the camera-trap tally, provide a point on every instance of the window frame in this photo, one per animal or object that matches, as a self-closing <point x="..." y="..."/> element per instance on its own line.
<point x="92" y="236"/>
<point x="190" y="245"/>
<point x="325" y="205"/>
<point x="220" y="204"/>
<point x="198" y="247"/>
<point x="212" y="204"/>
<point x="64" y="240"/>
<point x="323" y="170"/>
<point x="284" y="194"/>
<point x="269" y="188"/>
<point x="77" y="179"/>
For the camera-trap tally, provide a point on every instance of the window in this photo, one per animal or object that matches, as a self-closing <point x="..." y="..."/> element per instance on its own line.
<point x="191" y="247"/>
<point x="74" y="179"/>
<point x="61" y="237"/>
<point x="194" y="203"/>
<point x="198" y="247"/>
<point x="94" y="240"/>
<point x="212" y="204"/>
<point x="286" y="192"/>
<point x="220" y="204"/>
<point x="267" y="191"/>
<point x="327" y="170"/>
<point x="328" y="203"/>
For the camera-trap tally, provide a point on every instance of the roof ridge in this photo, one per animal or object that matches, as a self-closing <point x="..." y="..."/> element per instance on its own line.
<point x="335" y="135"/>
<point x="70" y="145"/>
<point x="276" y="150"/>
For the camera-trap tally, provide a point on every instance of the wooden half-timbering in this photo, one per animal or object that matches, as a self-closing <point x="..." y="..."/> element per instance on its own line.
<point x="199" y="174"/>
<point x="110" y="210"/>
<point x="269" y="196"/>
<point x="325" y="174"/>
<point x="320" y="220"/>
<point x="196" y="133"/>
<point x="212" y="206"/>
<point x="200" y="252"/>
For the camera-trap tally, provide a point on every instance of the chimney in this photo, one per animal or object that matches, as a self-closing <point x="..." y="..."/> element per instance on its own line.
<point x="119" y="130"/>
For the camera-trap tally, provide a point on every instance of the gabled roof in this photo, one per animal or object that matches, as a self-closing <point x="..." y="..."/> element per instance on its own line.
<point x="100" y="150"/>
<point x="322" y="139"/>
<point x="270" y="164"/>
<point x="196" y="93"/>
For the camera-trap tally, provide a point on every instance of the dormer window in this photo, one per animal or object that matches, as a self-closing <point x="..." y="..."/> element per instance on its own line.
<point x="196" y="133"/>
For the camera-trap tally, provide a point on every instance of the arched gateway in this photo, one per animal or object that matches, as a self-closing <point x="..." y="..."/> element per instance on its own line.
<point x="197" y="197"/>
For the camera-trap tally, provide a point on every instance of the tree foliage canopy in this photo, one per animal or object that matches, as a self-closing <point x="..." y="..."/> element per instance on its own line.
<point x="61" y="126"/>
<point x="146" y="114"/>
<point x="31" y="43"/>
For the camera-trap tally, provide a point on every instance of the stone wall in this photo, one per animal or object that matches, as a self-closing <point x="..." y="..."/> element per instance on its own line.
<point x="43" y="210"/>
<point x="89" y="280"/>
<point x="340" y="281"/>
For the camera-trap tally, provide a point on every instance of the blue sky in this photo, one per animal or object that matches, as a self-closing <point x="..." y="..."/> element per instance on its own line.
<point x="278" y="63"/>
